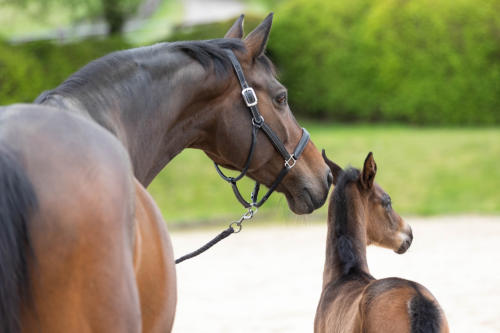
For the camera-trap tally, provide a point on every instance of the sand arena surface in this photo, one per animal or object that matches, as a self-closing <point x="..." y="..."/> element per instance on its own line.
<point x="268" y="279"/>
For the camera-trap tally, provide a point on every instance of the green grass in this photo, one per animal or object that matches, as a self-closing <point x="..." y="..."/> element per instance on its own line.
<point x="427" y="171"/>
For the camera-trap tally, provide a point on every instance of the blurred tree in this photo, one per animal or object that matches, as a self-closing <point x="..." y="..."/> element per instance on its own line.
<point x="113" y="12"/>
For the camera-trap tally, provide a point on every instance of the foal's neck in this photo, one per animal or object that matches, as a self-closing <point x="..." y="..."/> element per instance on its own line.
<point x="346" y="237"/>
<point x="147" y="97"/>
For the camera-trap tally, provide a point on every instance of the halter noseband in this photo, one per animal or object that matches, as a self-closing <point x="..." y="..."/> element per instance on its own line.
<point x="250" y="99"/>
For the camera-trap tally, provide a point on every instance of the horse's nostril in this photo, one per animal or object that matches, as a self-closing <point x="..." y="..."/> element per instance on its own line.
<point x="329" y="178"/>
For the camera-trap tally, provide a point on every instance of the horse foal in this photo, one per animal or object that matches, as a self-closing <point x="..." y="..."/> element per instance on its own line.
<point x="359" y="214"/>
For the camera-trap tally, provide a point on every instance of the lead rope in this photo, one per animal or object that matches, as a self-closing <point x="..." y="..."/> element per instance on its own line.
<point x="234" y="228"/>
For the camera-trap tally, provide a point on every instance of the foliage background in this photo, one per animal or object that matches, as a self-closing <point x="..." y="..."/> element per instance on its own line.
<point x="427" y="72"/>
<point x="425" y="62"/>
<point x="416" y="62"/>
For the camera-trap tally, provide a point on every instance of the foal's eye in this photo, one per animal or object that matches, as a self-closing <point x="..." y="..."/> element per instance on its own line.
<point x="281" y="99"/>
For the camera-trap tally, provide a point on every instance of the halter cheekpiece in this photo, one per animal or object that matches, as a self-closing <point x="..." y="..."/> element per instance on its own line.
<point x="258" y="122"/>
<point x="250" y="99"/>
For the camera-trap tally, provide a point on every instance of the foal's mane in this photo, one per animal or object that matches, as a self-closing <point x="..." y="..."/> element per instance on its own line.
<point x="347" y="254"/>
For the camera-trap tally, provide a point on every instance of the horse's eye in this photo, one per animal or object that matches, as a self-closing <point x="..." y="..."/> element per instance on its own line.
<point x="281" y="99"/>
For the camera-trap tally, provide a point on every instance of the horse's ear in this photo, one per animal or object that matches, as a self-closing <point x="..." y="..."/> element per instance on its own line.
<point x="369" y="171"/>
<point x="336" y="170"/>
<point x="256" y="41"/>
<point x="236" y="30"/>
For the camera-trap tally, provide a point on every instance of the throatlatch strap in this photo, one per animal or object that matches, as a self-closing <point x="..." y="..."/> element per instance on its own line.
<point x="247" y="163"/>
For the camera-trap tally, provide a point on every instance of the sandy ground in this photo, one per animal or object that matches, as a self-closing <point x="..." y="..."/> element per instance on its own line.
<point x="268" y="279"/>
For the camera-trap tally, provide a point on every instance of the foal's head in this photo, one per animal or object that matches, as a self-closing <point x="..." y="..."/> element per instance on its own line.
<point x="306" y="185"/>
<point x="369" y="202"/>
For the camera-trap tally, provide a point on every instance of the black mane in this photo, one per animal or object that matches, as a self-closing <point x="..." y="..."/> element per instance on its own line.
<point x="124" y="80"/>
<point x="344" y="244"/>
<point x="211" y="52"/>
<point x="122" y="65"/>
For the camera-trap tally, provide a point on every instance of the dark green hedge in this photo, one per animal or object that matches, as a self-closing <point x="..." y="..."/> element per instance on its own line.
<point x="423" y="62"/>
<point x="20" y="75"/>
<point x="28" y="69"/>
<point x="426" y="61"/>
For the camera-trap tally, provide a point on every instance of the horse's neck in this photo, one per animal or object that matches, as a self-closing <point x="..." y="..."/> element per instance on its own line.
<point x="149" y="113"/>
<point x="353" y="247"/>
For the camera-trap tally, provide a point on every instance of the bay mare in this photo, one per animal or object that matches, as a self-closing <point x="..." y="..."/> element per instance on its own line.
<point x="360" y="213"/>
<point x="83" y="245"/>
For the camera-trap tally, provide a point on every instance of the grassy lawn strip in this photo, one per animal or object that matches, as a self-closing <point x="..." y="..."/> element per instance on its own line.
<point x="427" y="171"/>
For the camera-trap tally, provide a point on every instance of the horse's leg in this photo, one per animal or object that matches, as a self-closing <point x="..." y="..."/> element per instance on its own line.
<point x="82" y="275"/>
<point x="154" y="265"/>
<point x="82" y="234"/>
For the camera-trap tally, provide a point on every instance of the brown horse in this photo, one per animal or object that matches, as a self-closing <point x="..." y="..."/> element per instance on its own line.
<point x="83" y="247"/>
<point x="360" y="213"/>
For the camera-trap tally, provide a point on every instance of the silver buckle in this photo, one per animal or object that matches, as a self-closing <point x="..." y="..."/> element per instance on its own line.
<point x="290" y="163"/>
<point x="250" y="99"/>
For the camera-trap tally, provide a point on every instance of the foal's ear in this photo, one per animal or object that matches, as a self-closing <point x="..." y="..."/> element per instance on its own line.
<point x="236" y="30"/>
<point x="369" y="171"/>
<point x="336" y="170"/>
<point x="256" y="41"/>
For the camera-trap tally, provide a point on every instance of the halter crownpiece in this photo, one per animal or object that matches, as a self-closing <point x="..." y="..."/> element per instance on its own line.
<point x="251" y="100"/>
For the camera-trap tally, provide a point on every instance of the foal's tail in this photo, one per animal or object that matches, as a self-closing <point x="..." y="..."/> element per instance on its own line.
<point x="17" y="201"/>
<point x="425" y="314"/>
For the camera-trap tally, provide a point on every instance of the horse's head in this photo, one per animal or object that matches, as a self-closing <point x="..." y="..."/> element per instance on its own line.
<point x="384" y="227"/>
<point x="307" y="183"/>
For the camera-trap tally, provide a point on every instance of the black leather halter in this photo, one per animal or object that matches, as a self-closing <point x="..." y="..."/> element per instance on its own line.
<point x="250" y="99"/>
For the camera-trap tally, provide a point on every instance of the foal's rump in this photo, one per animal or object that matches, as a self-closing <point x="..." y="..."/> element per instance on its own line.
<point x="80" y="274"/>
<point x="398" y="305"/>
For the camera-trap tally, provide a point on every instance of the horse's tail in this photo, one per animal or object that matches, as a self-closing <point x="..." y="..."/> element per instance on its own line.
<point x="17" y="201"/>
<point x="425" y="314"/>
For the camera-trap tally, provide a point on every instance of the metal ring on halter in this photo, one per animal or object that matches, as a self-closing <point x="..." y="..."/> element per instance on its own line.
<point x="259" y="124"/>
<point x="289" y="165"/>
<point x="250" y="212"/>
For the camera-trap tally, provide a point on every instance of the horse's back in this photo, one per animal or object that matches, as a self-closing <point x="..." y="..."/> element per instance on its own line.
<point x="399" y="305"/>
<point x="82" y="233"/>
